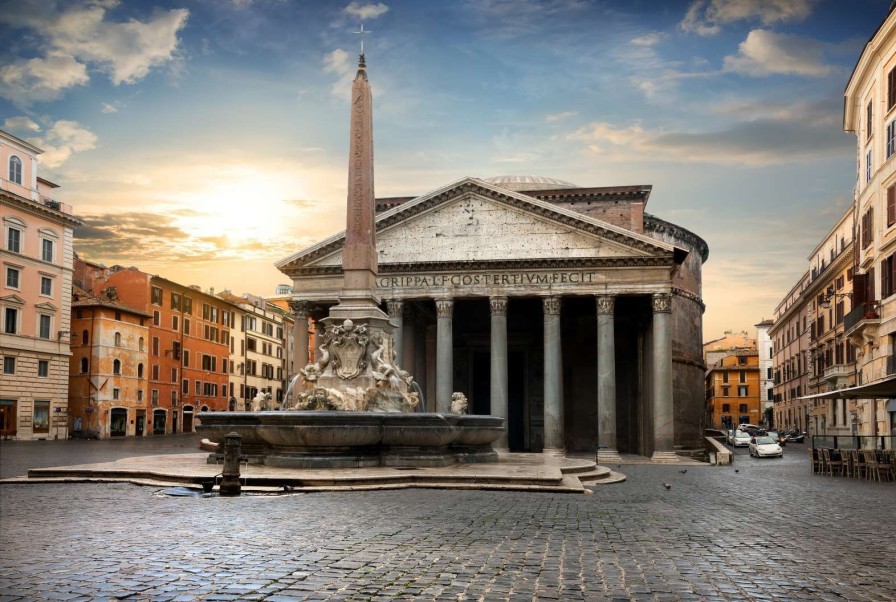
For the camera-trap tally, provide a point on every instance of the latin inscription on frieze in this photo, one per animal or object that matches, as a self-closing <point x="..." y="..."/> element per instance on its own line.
<point x="525" y="278"/>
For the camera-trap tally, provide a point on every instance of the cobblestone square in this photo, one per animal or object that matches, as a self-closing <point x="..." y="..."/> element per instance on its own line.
<point x="757" y="530"/>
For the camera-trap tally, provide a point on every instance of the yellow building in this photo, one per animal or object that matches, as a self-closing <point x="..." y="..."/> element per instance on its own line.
<point x="733" y="391"/>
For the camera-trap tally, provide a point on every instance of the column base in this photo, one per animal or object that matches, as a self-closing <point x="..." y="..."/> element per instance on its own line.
<point x="608" y="456"/>
<point x="664" y="457"/>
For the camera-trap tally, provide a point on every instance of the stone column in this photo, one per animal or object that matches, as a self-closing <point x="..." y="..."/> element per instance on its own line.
<point x="396" y="316"/>
<point x="607" y="451"/>
<point x="498" y="354"/>
<point x="553" y="402"/>
<point x="663" y="416"/>
<point x="444" y="354"/>
<point x="300" y="311"/>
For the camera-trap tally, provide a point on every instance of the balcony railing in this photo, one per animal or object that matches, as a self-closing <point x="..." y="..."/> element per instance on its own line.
<point x="863" y="311"/>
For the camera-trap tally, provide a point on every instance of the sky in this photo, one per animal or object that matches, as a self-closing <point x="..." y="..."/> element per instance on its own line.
<point x="204" y="140"/>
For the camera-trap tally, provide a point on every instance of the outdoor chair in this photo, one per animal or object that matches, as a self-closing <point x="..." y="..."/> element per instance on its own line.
<point x="884" y="465"/>
<point x="816" y="461"/>
<point x="870" y="464"/>
<point x="833" y="461"/>
<point x="849" y="464"/>
<point x="860" y="469"/>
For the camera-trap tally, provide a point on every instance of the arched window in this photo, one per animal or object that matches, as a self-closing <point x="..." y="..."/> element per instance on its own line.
<point x="15" y="170"/>
<point x="140" y="344"/>
<point x="139" y="370"/>
<point x="118" y="339"/>
<point x="85" y="338"/>
<point x="116" y="367"/>
<point x="84" y="365"/>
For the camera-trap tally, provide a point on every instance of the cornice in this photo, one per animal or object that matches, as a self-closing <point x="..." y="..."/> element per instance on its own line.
<point x="654" y="224"/>
<point x="39" y="209"/>
<point x="500" y="264"/>
<point x="690" y="296"/>
<point x="467" y="186"/>
<point x="830" y="272"/>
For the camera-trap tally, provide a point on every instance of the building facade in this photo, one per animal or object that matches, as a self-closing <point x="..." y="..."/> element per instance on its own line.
<point x="733" y="391"/>
<point x="765" y="351"/>
<point x="108" y="368"/>
<point x="35" y="298"/>
<point x="790" y="363"/>
<point x="189" y="342"/>
<point x="515" y="290"/>
<point x="870" y="114"/>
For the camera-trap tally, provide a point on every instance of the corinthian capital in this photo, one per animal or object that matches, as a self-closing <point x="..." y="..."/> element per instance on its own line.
<point x="395" y="307"/>
<point x="551" y="305"/>
<point x="498" y="306"/>
<point x="300" y="309"/>
<point x="444" y="308"/>
<point x="662" y="303"/>
<point x="605" y="305"/>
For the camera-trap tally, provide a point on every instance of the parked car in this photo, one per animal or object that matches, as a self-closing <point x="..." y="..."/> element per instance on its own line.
<point x="779" y="437"/>
<point x="741" y="439"/>
<point x="754" y="431"/>
<point x="746" y="426"/>
<point x="764" y="447"/>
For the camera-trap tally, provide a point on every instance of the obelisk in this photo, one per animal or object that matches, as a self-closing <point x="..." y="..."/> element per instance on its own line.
<point x="358" y="299"/>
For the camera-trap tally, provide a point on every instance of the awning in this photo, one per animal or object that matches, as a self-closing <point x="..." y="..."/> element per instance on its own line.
<point x="876" y="390"/>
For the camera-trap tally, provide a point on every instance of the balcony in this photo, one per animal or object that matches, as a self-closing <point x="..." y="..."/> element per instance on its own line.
<point x="838" y="374"/>
<point x="861" y="324"/>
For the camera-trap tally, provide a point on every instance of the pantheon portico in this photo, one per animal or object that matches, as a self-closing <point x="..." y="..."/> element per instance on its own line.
<point x="569" y="311"/>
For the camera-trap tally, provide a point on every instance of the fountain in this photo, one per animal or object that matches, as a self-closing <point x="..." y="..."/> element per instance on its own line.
<point x="357" y="407"/>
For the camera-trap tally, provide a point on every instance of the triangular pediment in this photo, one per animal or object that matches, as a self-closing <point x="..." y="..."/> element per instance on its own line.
<point x="12" y="299"/>
<point x="472" y="220"/>
<point x="46" y="306"/>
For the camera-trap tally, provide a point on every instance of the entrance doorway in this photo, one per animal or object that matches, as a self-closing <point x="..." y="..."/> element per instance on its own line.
<point x="518" y="433"/>
<point x="158" y="422"/>
<point x="140" y="423"/>
<point x="118" y="422"/>
<point x="7" y="418"/>
<point x="188" y="419"/>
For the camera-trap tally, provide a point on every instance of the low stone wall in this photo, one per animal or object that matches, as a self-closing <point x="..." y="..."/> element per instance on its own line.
<point x="718" y="451"/>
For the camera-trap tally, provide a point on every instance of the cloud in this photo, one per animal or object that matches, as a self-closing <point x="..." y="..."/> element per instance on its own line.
<point x="513" y="18"/>
<point x="768" y="53"/>
<point x="337" y="62"/>
<point x="366" y="11"/>
<point x="108" y="108"/>
<point x="62" y="140"/>
<point x="78" y="35"/>
<point x="707" y="17"/>
<point x="562" y="116"/>
<point x="650" y="39"/>
<point x="802" y="132"/>
<point x="20" y="124"/>
<point x="41" y="79"/>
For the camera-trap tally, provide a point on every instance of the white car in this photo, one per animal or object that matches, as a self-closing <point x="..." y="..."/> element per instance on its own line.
<point x="740" y="439"/>
<point x="763" y="447"/>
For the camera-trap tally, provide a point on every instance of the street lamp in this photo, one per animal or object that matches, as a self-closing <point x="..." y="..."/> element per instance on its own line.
<point x="826" y="303"/>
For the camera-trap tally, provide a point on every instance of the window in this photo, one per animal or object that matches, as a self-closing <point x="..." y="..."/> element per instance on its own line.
<point x="726" y="407"/>
<point x="742" y="391"/>
<point x="139" y="394"/>
<point x="741" y="361"/>
<point x="140" y="344"/>
<point x="198" y="387"/>
<point x="869" y="120"/>
<point x="116" y="367"/>
<point x="46" y="250"/>
<point x="41" y="418"/>
<point x="11" y="320"/>
<point x="175" y="301"/>
<point x="9" y="365"/>
<point x="43" y="330"/>
<point x="155" y="372"/>
<point x="46" y="286"/>
<point x="12" y="278"/>
<point x="742" y="377"/>
<point x="186" y="326"/>
<point x="115" y="393"/>
<point x="156" y="296"/>
<point x="139" y="370"/>
<point x="868" y="166"/>
<point x="188" y="305"/>
<point x="891" y="89"/>
<point x="13" y="240"/>
<point x="118" y="339"/>
<point x="118" y="316"/>
<point x="186" y="358"/>
<point x="891" y="138"/>
<point x="155" y="397"/>
<point x="155" y="346"/>
<point x="85" y="336"/>
<point x="15" y="170"/>
<point x="742" y="408"/>
<point x="726" y="391"/>
<point x="156" y="318"/>
<point x="891" y="205"/>
<point x="185" y="387"/>
<point x="175" y="324"/>
<point x="724" y="377"/>
<point x="174" y="375"/>
<point x="43" y="368"/>
<point x="84" y="365"/>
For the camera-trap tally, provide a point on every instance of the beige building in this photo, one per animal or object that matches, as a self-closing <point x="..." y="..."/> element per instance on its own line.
<point x="35" y="297"/>
<point x="870" y="114"/>
<point x="790" y="365"/>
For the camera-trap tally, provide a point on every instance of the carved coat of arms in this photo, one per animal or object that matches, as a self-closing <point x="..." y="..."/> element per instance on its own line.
<point x="348" y="348"/>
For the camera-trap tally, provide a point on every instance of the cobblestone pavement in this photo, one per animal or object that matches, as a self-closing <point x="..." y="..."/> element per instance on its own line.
<point x="770" y="531"/>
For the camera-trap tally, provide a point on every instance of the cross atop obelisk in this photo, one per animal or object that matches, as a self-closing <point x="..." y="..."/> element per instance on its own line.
<point x="359" y="262"/>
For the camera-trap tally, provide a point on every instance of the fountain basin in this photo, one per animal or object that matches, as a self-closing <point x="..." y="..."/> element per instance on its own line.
<point x="326" y="439"/>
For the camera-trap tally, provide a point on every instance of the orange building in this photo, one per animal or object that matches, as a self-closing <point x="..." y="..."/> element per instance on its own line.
<point x="188" y="347"/>
<point x="107" y="370"/>
<point x="733" y="391"/>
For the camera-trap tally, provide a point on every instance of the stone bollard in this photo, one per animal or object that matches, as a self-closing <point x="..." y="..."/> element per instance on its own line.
<point x="230" y="476"/>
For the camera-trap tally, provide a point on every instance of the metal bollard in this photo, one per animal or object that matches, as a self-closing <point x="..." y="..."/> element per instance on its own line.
<point x="230" y="475"/>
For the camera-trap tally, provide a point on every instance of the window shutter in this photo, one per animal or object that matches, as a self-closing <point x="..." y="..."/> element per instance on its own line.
<point x="884" y="279"/>
<point x="891" y="205"/>
<point x="871" y="296"/>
